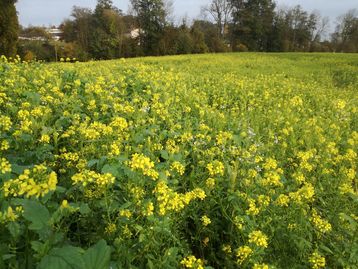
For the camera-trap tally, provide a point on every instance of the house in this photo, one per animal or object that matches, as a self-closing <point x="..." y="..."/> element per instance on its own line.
<point x="55" y="33"/>
<point x="41" y="34"/>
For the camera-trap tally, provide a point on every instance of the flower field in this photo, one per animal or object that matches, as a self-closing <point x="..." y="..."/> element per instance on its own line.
<point x="210" y="161"/>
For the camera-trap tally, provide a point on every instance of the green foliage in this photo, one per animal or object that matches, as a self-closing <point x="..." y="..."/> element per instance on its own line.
<point x="151" y="15"/>
<point x="98" y="256"/>
<point x="67" y="257"/>
<point x="107" y="33"/>
<point x="36" y="213"/>
<point x="9" y="27"/>
<point x="253" y="20"/>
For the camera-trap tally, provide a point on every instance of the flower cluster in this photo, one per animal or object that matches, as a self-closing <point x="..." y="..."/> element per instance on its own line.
<point x="317" y="261"/>
<point x="205" y="220"/>
<point x="35" y="182"/>
<point x="178" y="167"/>
<point x="258" y="238"/>
<point x="169" y="200"/>
<point x="5" y="166"/>
<point x="215" y="168"/>
<point x="192" y="262"/>
<point x="143" y="164"/>
<point x="322" y="225"/>
<point x="87" y="177"/>
<point x="10" y="215"/>
<point x="243" y="253"/>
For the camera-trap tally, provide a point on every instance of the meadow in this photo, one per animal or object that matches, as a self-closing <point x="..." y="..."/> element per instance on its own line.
<point x="241" y="160"/>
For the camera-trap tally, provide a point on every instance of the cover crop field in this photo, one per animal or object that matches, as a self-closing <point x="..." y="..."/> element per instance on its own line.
<point x="210" y="161"/>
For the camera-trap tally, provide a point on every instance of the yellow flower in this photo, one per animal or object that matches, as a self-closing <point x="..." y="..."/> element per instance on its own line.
<point x="64" y="204"/>
<point x="243" y="253"/>
<point x="199" y="193"/>
<point x="5" y="166"/>
<point x="115" y="150"/>
<point x="45" y="139"/>
<point x="205" y="220"/>
<point x="35" y="182"/>
<point x="223" y="137"/>
<point x="119" y="123"/>
<point x="282" y="200"/>
<point x="88" y="177"/>
<point x="258" y="238"/>
<point x="144" y="164"/>
<point x="111" y="228"/>
<point x="260" y="266"/>
<point x="125" y="213"/>
<point x="149" y="209"/>
<point x="4" y="145"/>
<point x="253" y="209"/>
<point x="178" y="167"/>
<point x="322" y="225"/>
<point x="192" y="262"/>
<point x="215" y="168"/>
<point x="10" y="215"/>
<point x="317" y="261"/>
<point x="210" y="182"/>
<point x="5" y="123"/>
<point x="270" y="164"/>
<point x="227" y="249"/>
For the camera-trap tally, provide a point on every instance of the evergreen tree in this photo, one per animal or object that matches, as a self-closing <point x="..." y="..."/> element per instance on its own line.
<point x="107" y="31"/>
<point x="9" y="27"/>
<point x="151" y="15"/>
<point x="253" y="20"/>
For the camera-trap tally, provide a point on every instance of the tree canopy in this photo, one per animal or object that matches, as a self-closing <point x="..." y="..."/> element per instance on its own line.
<point x="9" y="27"/>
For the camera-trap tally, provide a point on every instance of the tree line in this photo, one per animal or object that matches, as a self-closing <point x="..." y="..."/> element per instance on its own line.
<point x="226" y="25"/>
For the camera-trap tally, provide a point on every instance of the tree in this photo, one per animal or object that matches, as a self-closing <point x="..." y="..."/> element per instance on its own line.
<point x="302" y="26"/>
<point x="198" y="37"/>
<point x="322" y="25"/>
<point x="107" y="33"/>
<point x="212" y="39"/>
<point x="9" y="27"/>
<point x="346" y="34"/>
<point x="220" y="10"/>
<point x="296" y="30"/>
<point x="78" y="30"/>
<point x="151" y="15"/>
<point x="253" y="20"/>
<point x="279" y="38"/>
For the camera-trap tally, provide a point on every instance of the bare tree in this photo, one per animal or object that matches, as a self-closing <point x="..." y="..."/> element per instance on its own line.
<point x="220" y="10"/>
<point x="169" y="10"/>
<point x="321" y="26"/>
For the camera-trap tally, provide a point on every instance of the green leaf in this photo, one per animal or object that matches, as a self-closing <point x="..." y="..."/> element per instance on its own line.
<point x="19" y="169"/>
<point x="67" y="257"/>
<point x="36" y="213"/>
<point x="60" y="189"/>
<point x="328" y="250"/>
<point x="98" y="256"/>
<point x="164" y="154"/>
<point x="150" y="264"/>
<point x="14" y="229"/>
<point x="37" y="246"/>
<point x="84" y="209"/>
<point x="92" y="163"/>
<point x="111" y="169"/>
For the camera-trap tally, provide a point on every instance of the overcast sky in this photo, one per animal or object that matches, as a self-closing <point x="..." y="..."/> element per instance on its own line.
<point x="46" y="12"/>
